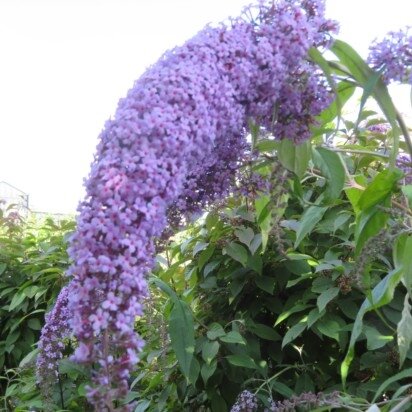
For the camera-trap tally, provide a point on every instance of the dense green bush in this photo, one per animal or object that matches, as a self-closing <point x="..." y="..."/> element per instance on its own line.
<point x="33" y="259"/>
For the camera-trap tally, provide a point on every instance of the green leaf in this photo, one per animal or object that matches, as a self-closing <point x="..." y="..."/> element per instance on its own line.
<point x="255" y="243"/>
<point x="266" y="145"/>
<point x="215" y="331"/>
<point x="381" y="295"/>
<point x="3" y="267"/>
<point x="281" y="388"/>
<point x="34" y="324"/>
<point x="194" y="371"/>
<point x="332" y="168"/>
<point x="314" y="316"/>
<point x="210" y="350"/>
<point x="233" y="337"/>
<point x="210" y="267"/>
<point x="264" y="331"/>
<point x="181" y="331"/>
<point x="294" y="157"/>
<point x="407" y="264"/>
<point x="369" y="87"/>
<point x="208" y="370"/>
<point x="30" y="357"/>
<point x="295" y="308"/>
<point x="362" y="73"/>
<point x="237" y="252"/>
<point x="379" y="189"/>
<point x="325" y="297"/>
<point x="375" y="340"/>
<point x="17" y="300"/>
<point x="205" y="255"/>
<point x="199" y="246"/>
<point x="369" y="223"/>
<point x="142" y="405"/>
<point x="344" y="92"/>
<point x="404" y="331"/>
<point x="255" y="262"/>
<point x="265" y="283"/>
<point x="294" y="332"/>
<point x="407" y="191"/>
<point x="330" y="325"/>
<point x="407" y="373"/>
<point x="263" y="218"/>
<point x="311" y="216"/>
<point x="245" y="235"/>
<point x="243" y="361"/>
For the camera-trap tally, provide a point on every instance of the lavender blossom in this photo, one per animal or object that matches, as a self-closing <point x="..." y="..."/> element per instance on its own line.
<point x="394" y="55"/>
<point x="246" y="402"/>
<point x="404" y="163"/>
<point x="51" y="346"/>
<point x="175" y="140"/>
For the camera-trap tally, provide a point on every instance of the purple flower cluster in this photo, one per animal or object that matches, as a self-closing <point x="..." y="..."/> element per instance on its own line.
<point x="404" y="163"/>
<point x="394" y="56"/>
<point x="175" y="140"/>
<point x="246" y="402"/>
<point x="306" y="401"/>
<point x="51" y="346"/>
<point x="380" y="128"/>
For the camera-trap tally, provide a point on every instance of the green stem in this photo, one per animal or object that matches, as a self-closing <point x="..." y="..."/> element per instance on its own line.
<point x="400" y="405"/>
<point x="405" y="132"/>
<point x="367" y="152"/>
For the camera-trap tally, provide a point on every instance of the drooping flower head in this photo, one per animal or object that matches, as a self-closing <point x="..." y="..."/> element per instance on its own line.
<point x="51" y="345"/>
<point x="175" y="140"/>
<point x="393" y="55"/>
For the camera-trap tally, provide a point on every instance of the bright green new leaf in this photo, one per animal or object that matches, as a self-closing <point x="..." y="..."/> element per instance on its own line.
<point x="379" y="189"/>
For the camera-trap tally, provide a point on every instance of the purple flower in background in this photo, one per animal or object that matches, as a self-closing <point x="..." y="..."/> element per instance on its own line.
<point x="404" y="163"/>
<point x="175" y="141"/>
<point x="394" y="56"/>
<point x="246" y="402"/>
<point x="51" y="346"/>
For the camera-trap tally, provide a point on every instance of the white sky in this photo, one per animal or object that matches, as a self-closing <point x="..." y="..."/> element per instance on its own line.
<point x="64" y="64"/>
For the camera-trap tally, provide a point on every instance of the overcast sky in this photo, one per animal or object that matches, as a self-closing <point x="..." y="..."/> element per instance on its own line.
<point x="64" y="64"/>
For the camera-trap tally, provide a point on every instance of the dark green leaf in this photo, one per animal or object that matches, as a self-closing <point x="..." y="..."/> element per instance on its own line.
<point x="310" y="218"/>
<point x="325" y="297"/>
<point x="243" y="361"/>
<point x="209" y="350"/>
<point x="215" y="331"/>
<point x="237" y="252"/>
<point x="233" y="337"/>
<point x="293" y="333"/>
<point x="181" y="330"/>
